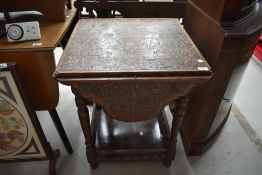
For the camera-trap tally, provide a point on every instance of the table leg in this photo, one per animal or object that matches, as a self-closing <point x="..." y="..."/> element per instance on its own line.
<point x="178" y="109"/>
<point x="164" y="128"/>
<point x="53" y="155"/>
<point x="60" y="130"/>
<point x="84" y="118"/>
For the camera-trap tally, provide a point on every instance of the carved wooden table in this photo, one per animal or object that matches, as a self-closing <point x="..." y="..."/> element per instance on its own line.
<point x="131" y="69"/>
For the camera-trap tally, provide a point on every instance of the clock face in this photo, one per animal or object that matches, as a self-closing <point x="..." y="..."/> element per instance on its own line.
<point x="15" y="32"/>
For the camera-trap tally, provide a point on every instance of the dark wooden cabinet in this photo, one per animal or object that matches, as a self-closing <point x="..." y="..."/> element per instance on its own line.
<point x="225" y="32"/>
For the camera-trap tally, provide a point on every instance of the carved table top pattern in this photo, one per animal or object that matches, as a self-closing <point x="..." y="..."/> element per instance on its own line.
<point x="134" y="46"/>
<point x="131" y="67"/>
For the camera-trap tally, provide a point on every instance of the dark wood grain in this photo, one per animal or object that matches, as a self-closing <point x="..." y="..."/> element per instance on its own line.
<point x="126" y="135"/>
<point x="126" y="140"/>
<point x="226" y="12"/>
<point x="226" y="37"/>
<point x="133" y="47"/>
<point x="178" y="109"/>
<point x="106" y="62"/>
<point x="85" y="124"/>
<point x="151" y="95"/>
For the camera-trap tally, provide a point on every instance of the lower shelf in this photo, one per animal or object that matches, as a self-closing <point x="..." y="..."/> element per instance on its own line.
<point x="117" y="140"/>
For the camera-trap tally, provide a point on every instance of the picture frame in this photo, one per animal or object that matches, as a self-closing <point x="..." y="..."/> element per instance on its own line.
<point x="21" y="135"/>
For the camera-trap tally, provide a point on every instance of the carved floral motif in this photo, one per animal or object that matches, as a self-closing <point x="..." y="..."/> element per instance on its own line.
<point x="135" y="101"/>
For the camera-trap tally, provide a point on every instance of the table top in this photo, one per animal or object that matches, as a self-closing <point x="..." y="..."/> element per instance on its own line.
<point x="51" y="32"/>
<point x="128" y="47"/>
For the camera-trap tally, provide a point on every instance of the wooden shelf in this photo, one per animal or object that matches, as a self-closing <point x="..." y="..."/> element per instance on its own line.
<point x="140" y="140"/>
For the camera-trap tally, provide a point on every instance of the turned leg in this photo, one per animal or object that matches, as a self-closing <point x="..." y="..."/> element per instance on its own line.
<point x="85" y="124"/>
<point x="164" y="128"/>
<point x="60" y="130"/>
<point x="178" y="110"/>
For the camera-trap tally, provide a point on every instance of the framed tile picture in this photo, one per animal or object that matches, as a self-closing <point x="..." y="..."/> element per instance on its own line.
<point x="21" y="136"/>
